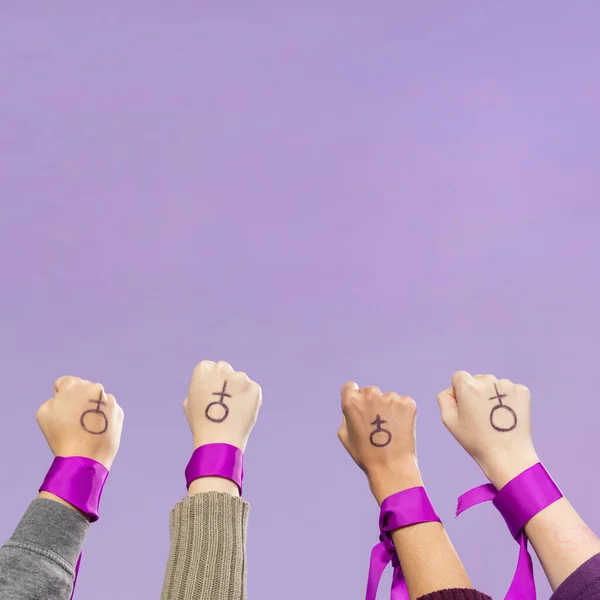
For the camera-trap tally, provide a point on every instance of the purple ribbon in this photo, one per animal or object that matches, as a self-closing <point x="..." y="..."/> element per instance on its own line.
<point x="408" y="507"/>
<point x="518" y="501"/>
<point x="216" y="460"/>
<point x="79" y="481"/>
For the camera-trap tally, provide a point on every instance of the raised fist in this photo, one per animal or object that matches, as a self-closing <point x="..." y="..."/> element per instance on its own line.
<point x="378" y="431"/>
<point x="82" y="420"/>
<point x="222" y="405"/>
<point x="490" y="419"/>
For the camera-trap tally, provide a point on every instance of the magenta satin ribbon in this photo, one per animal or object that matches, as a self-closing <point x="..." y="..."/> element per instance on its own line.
<point x="79" y="481"/>
<point x="518" y="501"/>
<point x="408" y="507"/>
<point x="216" y="460"/>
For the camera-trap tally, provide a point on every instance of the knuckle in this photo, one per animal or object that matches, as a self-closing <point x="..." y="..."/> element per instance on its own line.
<point x="204" y="364"/>
<point x="460" y="375"/>
<point x="95" y="388"/>
<point x="523" y="389"/>
<point x="224" y="365"/>
<point x="463" y="379"/>
<point x="66" y="381"/>
<point x="371" y="390"/>
<point x="409" y="404"/>
<point x="485" y="377"/>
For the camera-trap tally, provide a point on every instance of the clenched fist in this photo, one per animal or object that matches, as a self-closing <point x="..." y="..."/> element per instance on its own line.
<point x="378" y="431"/>
<point x="82" y="420"/>
<point x="491" y="420"/>
<point x="222" y="405"/>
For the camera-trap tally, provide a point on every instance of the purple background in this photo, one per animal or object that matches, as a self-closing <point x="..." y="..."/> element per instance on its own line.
<point x="381" y="192"/>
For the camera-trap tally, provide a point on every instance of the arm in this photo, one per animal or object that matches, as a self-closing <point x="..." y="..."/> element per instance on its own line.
<point x="491" y="419"/>
<point x="378" y="431"/>
<point x="40" y="558"/>
<point x="38" y="561"/>
<point x="428" y="558"/>
<point x="207" y="559"/>
<point x="559" y="536"/>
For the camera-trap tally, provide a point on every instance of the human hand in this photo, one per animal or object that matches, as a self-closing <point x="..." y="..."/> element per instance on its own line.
<point x="82" y="420"/>
<point x="222" y="405"/>
<point x="378" y="431"/>
<point x="491" y="420"/>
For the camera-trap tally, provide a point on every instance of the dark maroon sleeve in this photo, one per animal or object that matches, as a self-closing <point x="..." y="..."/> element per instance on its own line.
<point x="583" y="584"/>
<point x="455" y="594"/>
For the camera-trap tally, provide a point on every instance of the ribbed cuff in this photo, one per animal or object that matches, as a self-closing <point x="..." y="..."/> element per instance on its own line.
<point x="51" y="527"/>
<point x="455" y="594"/>
<point x="208" y="545"/>
<point x="584" y="583"/>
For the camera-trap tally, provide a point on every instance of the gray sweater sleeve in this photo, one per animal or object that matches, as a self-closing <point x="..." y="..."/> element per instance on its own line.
<point x="38" y="561"/>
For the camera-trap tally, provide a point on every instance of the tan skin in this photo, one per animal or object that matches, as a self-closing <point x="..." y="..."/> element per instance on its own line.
<point x="244" y="404"/>
<point x="429" y="561"/>
<point x="60" y="421"/>
<point x="559" y="536"/>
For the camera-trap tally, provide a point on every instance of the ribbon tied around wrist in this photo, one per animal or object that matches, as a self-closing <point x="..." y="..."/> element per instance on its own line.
<point x="408" y="507"/>
<point x="518" y="502"/>
<point x="216" y="460"/>
<point x="79" y="481"/>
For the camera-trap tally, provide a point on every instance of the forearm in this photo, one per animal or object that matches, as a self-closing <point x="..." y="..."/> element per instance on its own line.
<point x="559" y="536"/>
<point x="561" y="540"/>
<point x="38" y="561"/>
<point x="207" y="560"/>
<point x="428" y="559"/>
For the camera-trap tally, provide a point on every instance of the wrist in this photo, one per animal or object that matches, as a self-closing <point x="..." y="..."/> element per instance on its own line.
<point x="393" y="479"/>
<point x="213" y="484"/>
<point x="500" y="472"/>
<point x="204" y="441"/>
<point x="104" y="460"/>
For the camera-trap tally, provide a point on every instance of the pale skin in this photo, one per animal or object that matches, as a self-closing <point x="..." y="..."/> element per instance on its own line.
<point x="429" y="561"/>
<point x="559" y="536"/>
<point x="244" y="404"/>
<point x="60" y="420"/>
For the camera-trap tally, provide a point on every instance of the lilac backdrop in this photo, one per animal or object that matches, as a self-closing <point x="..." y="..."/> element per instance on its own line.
<point x="377" y="191"/>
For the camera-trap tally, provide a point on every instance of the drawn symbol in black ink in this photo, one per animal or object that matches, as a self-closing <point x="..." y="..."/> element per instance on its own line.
<point x="95" y="411"/>
<point x="378" y="422"/>
<point x="220" y="404"/>
<point x="501" y="406"/>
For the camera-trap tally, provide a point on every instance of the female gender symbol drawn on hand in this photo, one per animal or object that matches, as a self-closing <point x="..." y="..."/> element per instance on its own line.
<point x="219" y="403"/>
<point x="499" y="406"/>
<point x="378" y="421"/>
<point x="95" y="411"/>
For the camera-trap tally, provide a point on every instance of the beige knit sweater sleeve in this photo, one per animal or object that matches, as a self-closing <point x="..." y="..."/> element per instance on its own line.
<point x="207" y="560"/>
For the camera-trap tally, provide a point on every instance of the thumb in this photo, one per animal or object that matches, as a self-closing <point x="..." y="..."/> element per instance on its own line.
<point x="448" y="407"/>
<point x="39" y="415"/>
<point x="343" y="432"/>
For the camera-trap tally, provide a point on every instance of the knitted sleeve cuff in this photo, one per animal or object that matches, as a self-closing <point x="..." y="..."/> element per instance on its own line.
<point x="207" y="560"/>
<point x="455" y="594"/>
<point x="583" y="583"/>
